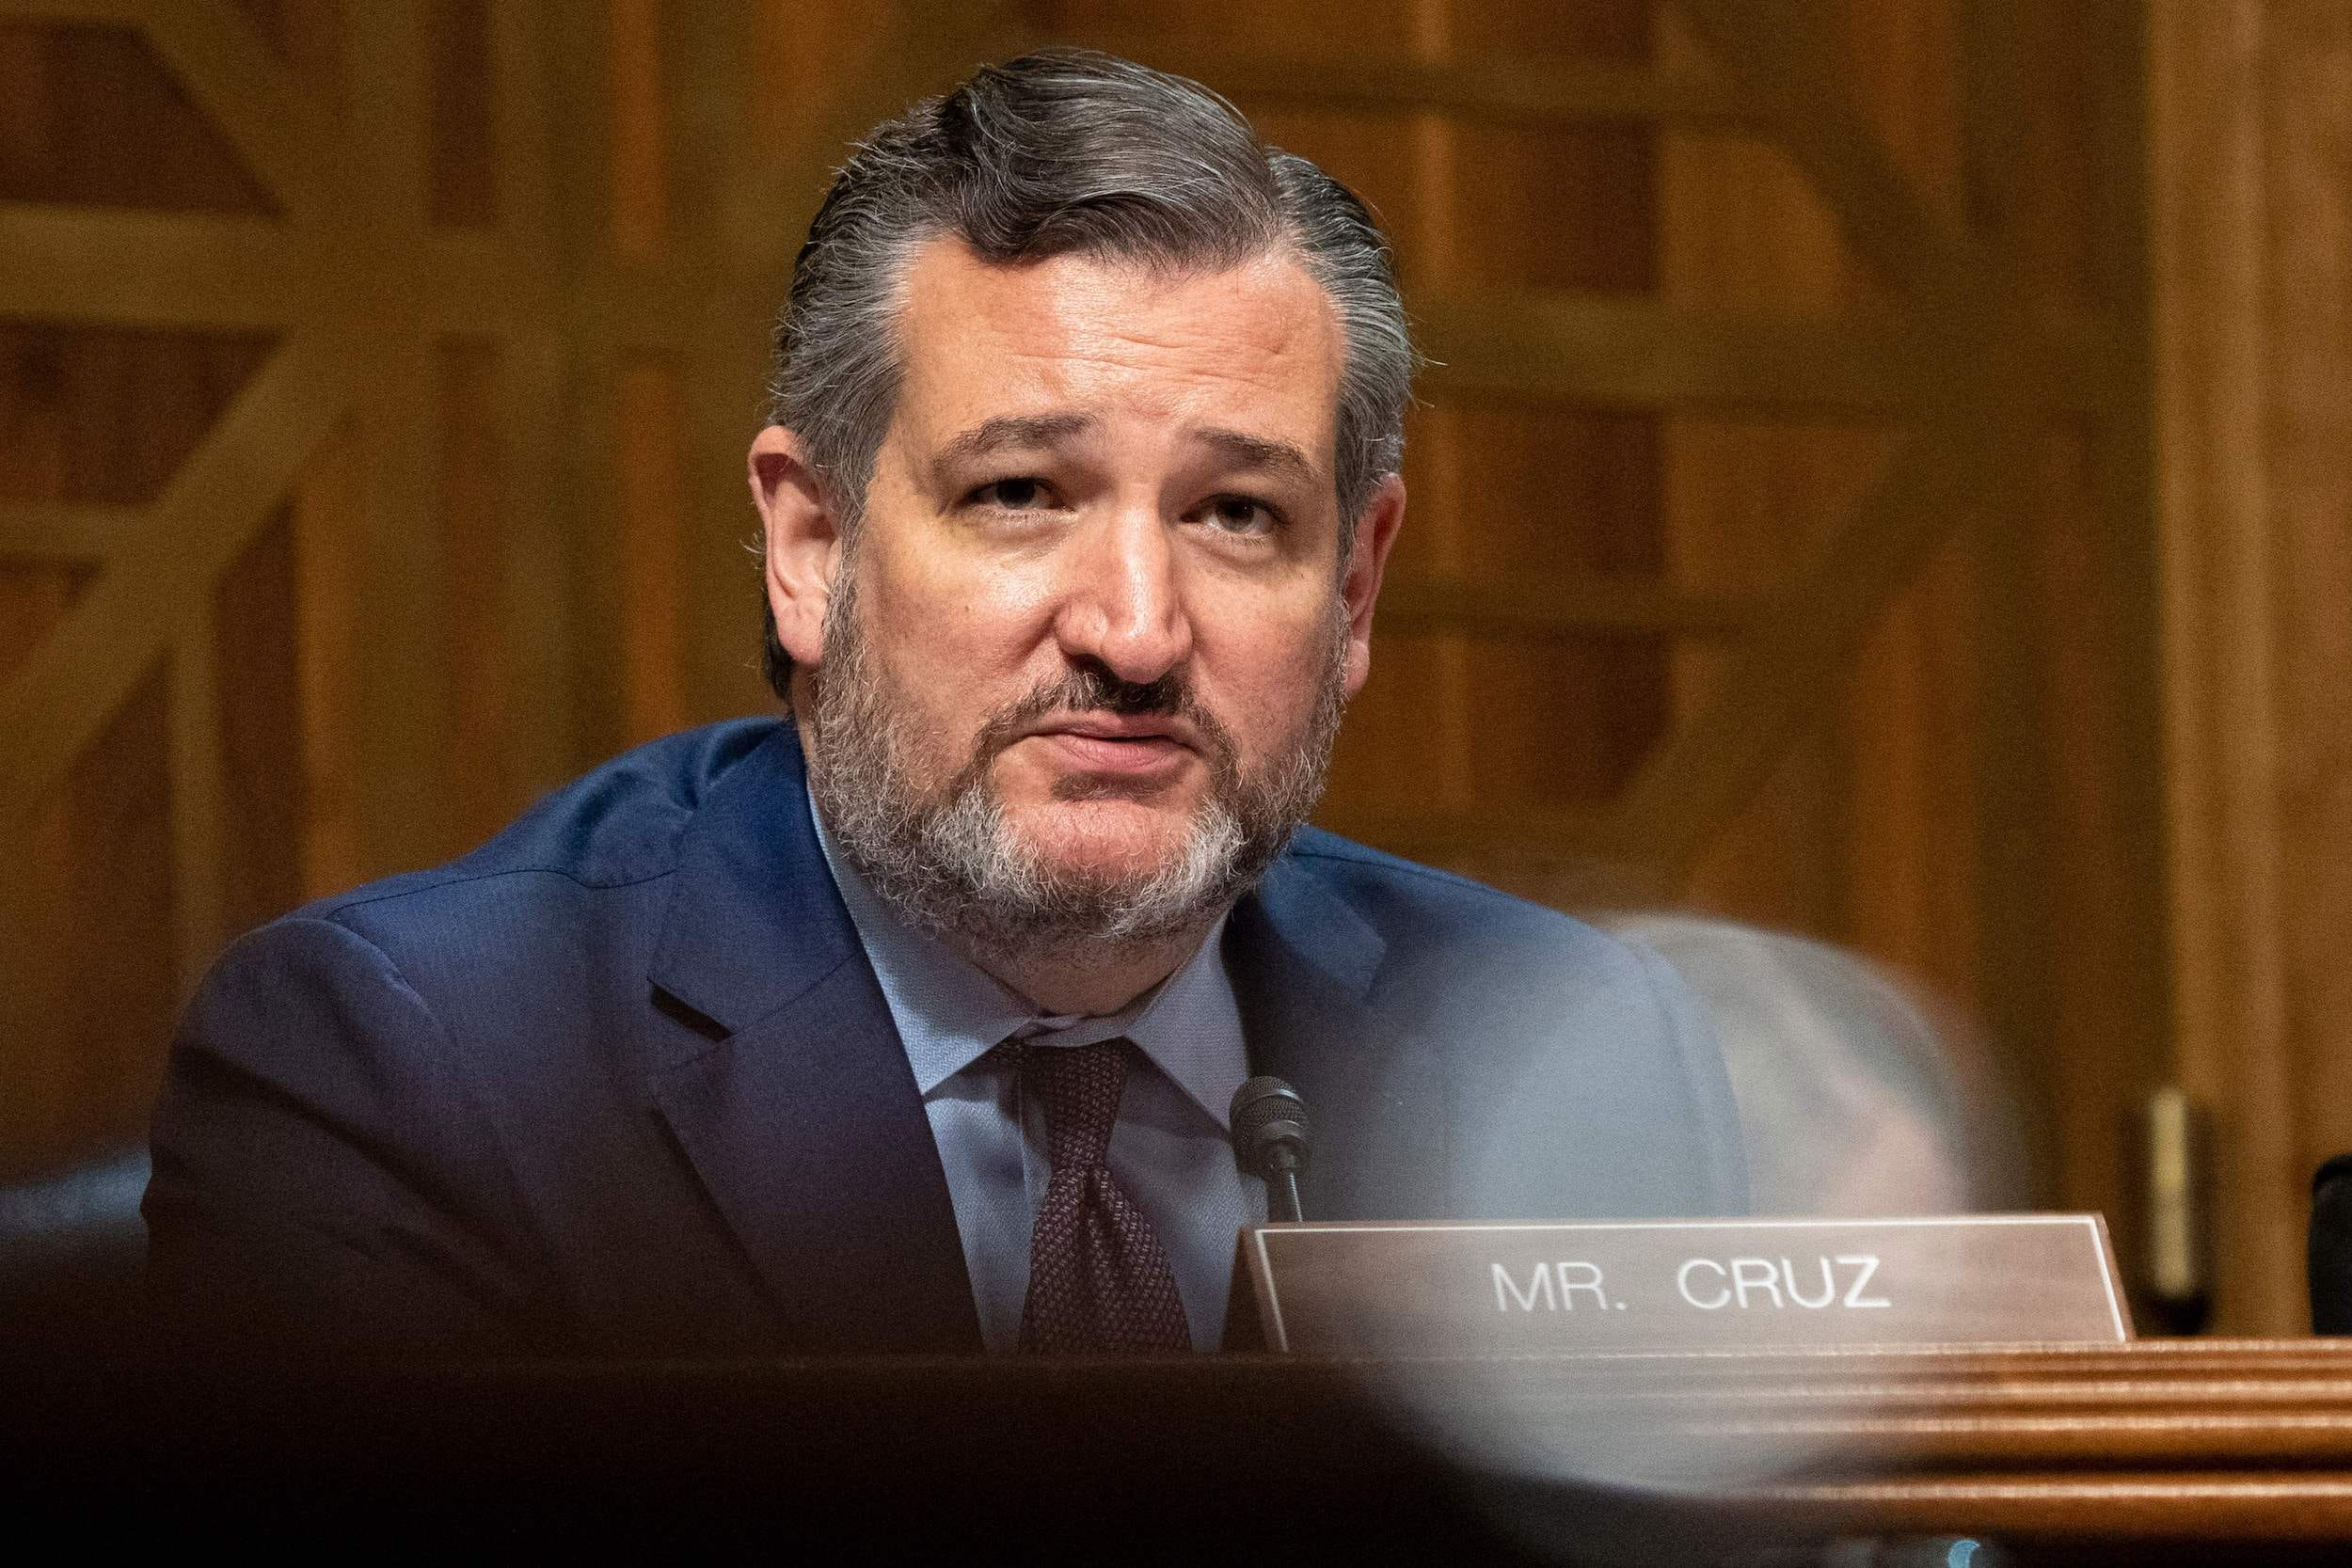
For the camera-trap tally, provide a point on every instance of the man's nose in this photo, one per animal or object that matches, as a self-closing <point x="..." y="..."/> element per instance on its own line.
<point x="1125" y="602"/>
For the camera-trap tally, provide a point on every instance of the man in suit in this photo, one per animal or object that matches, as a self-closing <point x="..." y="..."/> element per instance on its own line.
<point x="912" y="1022"/>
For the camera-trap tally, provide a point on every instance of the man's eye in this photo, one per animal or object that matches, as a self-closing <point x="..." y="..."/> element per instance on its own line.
<point x="1240" y="515"/>
<point x="1011" y="494"/>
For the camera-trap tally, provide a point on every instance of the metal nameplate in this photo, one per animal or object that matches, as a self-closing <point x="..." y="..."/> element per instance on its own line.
<point x="1543" y="1287"/>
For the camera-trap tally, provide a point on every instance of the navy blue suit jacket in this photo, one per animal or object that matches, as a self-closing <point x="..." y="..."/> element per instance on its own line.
<point x="622" y="1080"/>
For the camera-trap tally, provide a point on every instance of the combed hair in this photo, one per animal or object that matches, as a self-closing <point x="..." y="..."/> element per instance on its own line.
<point x="1060" y="152"/>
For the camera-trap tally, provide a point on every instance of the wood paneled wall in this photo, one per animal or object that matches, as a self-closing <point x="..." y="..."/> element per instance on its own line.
<point x="2252" y="181"/>
<point x="377" y="377"/>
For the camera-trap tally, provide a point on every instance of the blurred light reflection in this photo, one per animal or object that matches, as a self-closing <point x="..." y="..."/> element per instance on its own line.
<point x="1859" y="1095"/>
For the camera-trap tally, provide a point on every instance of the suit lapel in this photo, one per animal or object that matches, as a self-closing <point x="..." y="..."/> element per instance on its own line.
<point x="801" y="1117"/>
<point x="1303" y="963"/>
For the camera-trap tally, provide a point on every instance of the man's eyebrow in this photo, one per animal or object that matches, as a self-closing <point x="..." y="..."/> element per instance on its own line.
<point x="1280" y="459"/>
<point x="1009" y="431"/>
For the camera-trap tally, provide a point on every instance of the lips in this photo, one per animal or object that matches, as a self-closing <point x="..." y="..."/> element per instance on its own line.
<point x="1116" y="727"/>
<point x="1115" y="744"/>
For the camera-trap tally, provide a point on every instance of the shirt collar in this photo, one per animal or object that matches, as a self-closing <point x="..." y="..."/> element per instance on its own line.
<point x="950" y="1013"/>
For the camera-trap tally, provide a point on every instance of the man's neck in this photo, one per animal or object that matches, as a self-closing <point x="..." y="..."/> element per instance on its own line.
<point x="1086" y="982"/>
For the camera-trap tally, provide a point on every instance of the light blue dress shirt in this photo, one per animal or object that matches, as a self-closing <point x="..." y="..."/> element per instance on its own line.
<point x="1171" y="1148"/>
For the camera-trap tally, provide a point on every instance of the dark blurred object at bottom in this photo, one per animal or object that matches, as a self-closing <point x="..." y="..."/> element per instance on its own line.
<point x="71" y="1246"/>
<point x="2331" y="1247"/>
<point x="1194" y="1460"/>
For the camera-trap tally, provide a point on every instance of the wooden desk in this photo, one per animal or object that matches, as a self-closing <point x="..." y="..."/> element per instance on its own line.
<point x="2189" y="1451"/>
<point x="2200" y="1444"/>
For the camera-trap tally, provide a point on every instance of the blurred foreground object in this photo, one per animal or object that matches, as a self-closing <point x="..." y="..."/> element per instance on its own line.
<point x="2195" y="1453"/>
<point x="1857" y="1094"/>
<point x="71" y="1248"/>
<point x="2175" y="1287"/>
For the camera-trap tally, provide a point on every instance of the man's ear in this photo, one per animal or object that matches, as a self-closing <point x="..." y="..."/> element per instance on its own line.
<point x="803" y="540"/>
<point x="1375" y="531"/>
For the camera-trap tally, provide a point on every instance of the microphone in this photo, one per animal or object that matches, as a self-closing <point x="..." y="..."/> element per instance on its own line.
<point x="2330" y="1261"/>
<point x="1270" y="1139"/>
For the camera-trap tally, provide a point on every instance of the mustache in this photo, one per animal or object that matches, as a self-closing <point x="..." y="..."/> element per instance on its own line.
<point x="1094" y="688"/>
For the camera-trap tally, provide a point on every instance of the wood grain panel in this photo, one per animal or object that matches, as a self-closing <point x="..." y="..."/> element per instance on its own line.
<point x="652" y="629"/>
<point x="288" y="134"/>
<point x="639" y="134"/>
<point x="1750" y="496"/>
<point x="1779" y="860"/>
<point x="94" y="896"/>
<point x="122" y="900"/>
<point x="722" y="362"/>
<point x="93" y="118"/>
<point x="109" y="416"/>
<point x="2251" y="125"/>
<point x="1379" y="28"/>
<point x="1901" y="64"/>
<point x="66" y="688"/>
<point x="329" y="645"/>
<point x="2106" y="992"/>
<point x="2225" y="837"/>
<point x="197" y="818"/>
<point x="538" y="495"/>
<point x="2307" y="88"/>
<point x="470" y="461"/>
<point x="257" y="679"/>
<point x="463" y="117"/>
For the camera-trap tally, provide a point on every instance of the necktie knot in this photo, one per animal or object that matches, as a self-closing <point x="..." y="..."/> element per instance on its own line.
<point x="1079" y="1087"/>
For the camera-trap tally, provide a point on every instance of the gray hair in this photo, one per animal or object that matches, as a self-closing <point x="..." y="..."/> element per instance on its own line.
<point x="1058" y="152"/>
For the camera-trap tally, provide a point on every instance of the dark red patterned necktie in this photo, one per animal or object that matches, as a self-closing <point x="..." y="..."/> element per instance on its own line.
<point x="1099" y="1280"/>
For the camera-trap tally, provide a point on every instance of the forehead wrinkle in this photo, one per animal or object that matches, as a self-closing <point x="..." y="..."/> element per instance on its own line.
<point x="1266" y="351"/>
<point x="1095" y="339"/>
<point x="1166" y="372"/>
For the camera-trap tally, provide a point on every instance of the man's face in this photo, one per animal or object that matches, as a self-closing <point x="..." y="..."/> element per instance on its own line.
<point x="1097" y="593"/>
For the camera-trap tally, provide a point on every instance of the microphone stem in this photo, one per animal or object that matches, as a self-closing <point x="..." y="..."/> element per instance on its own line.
<point x="1281" y="1186"/>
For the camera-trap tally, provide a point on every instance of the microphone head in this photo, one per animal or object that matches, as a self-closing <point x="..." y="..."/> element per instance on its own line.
<point x="1267" y="1115"/>
<point x="2331" y="1247"/>
<point x="2330" y="1173"/>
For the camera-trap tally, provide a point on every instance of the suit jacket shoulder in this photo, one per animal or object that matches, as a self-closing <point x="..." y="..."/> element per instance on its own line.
<point x="620" y="824"/>
<point x="429" y="1111"/>
<point x="1521" y="1063"/>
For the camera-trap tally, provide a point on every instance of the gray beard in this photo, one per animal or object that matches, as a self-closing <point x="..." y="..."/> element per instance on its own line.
<point x="946" y="861"/>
